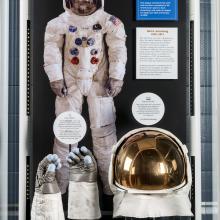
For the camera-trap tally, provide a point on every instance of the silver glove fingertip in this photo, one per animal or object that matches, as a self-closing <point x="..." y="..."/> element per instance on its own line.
<point x="50" y="157"/>
<point x="55" y="157"/>
<point x="51" y="168"/>
<point x="75" y="151"/>
<point x="71" y="162"/>
<point x="84" y="149"/>
<point x="74" y="157"/>
<point x="69" y="159"/>
<point x="58" y="166"/>
<point x="88" y="161"/>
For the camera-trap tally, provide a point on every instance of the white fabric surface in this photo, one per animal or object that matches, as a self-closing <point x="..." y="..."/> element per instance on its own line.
<point x="83" y="201"/>
<point x="146" y="206"/>
<point x="47" y="207"/>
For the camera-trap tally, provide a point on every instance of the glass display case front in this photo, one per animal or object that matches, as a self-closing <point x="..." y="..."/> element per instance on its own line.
<point x="27" y="112"/>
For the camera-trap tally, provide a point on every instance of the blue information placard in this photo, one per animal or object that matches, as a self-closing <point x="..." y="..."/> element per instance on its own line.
<point x="157" y="10"/>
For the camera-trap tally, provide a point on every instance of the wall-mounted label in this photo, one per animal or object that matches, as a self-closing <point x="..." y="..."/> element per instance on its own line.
<point x="148" y="109"/>
<point x="157" y="53"/>
<point x="157" y="9"/>
<point x="69" y="127"/>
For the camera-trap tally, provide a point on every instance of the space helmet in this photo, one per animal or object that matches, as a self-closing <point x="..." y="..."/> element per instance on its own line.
<point x="150" y="164"/>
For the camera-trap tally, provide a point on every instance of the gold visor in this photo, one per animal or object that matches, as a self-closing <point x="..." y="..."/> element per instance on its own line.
<point x="150" y="160"/>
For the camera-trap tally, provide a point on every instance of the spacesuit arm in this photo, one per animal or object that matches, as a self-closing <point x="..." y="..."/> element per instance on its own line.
<point x="53" y="45"/>
<point x="117" y="51"/>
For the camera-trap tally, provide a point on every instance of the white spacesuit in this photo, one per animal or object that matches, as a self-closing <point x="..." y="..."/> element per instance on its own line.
<point x="85" y="55"/>
<point x="150" y="175"/>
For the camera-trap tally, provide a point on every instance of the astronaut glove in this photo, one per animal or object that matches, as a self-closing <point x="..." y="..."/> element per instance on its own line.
<point x="46" y="175"/>
<point x="47" y="202"/>
<point x="114" y="87"/>
<point x="58" y="87"/>
<point x="83" y="190"/>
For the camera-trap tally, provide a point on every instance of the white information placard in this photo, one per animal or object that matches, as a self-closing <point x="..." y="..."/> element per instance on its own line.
<point x="148" y="109"/>
<point x="157" y="53"/>
<point x="70" y="127"/>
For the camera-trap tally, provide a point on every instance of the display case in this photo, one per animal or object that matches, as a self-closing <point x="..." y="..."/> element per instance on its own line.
<point x="185" y="88"/>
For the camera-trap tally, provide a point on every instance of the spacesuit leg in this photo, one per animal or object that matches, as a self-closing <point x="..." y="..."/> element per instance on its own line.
<point x="102" y="119"/>
<point x="103" y="140"/>
<point x="73" y="102"/>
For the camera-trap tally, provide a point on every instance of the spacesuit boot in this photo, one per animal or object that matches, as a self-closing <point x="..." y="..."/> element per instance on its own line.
<point x="95" y="53"/>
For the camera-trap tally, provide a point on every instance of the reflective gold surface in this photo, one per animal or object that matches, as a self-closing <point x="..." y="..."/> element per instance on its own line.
<point x="150" y="161"/>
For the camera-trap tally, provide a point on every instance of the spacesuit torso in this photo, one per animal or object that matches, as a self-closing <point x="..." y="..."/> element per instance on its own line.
<point x="94" y="48"/>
